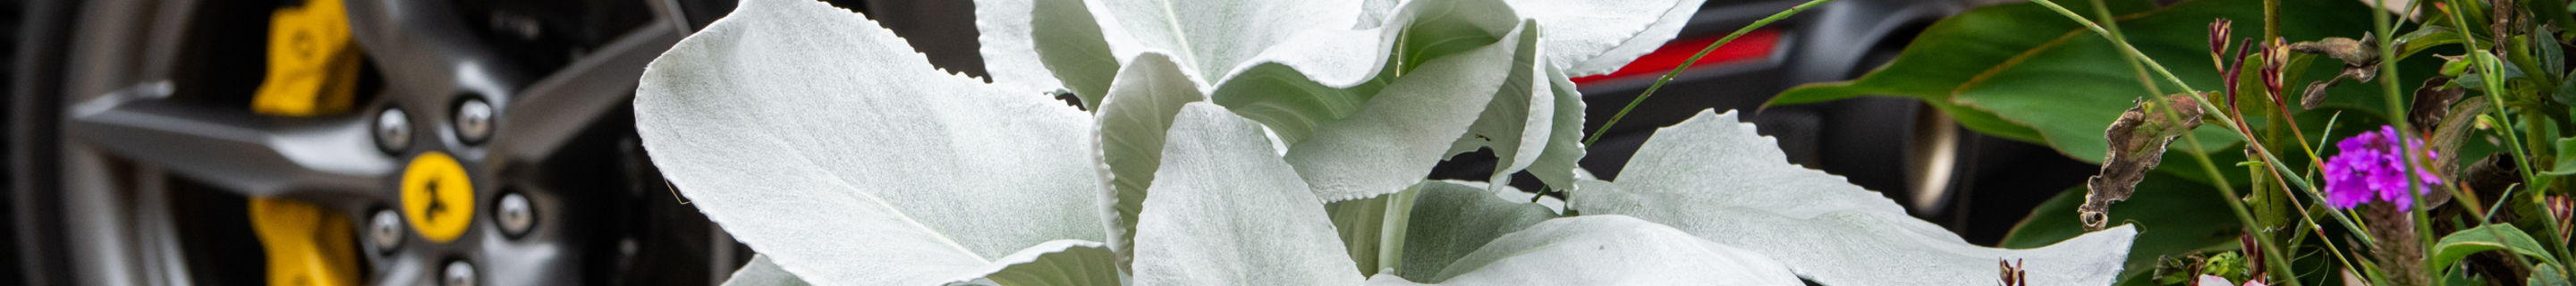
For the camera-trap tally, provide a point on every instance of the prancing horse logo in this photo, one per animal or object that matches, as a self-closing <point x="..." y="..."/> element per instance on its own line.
<point x="437" y="196"/>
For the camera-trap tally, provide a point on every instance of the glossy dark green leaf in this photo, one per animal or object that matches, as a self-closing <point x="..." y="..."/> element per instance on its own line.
<point x="2505" y="237"/>
<point x="2068" y="86"/>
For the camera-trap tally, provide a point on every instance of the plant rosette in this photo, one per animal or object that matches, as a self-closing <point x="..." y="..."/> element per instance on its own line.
<point x="1253" y="143"/>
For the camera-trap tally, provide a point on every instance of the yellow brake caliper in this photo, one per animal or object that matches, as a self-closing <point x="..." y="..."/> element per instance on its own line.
<point x="312" y="70"/>
<point x="307" y="245"/>
<point x="312" y="62"/>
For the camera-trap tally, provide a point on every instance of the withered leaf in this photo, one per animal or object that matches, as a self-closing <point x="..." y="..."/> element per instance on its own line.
<point x="2433" y="102"/>
<point x="2137" y="143"/>
<point x="2448" y="135"/>
<point x="2360" y="63"/>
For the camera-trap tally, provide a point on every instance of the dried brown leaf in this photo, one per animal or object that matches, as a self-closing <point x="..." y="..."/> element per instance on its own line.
<point x="2137" y="143"/>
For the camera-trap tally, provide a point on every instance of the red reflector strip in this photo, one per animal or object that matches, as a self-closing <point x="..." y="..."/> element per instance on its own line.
<point x="1751" y="46"/>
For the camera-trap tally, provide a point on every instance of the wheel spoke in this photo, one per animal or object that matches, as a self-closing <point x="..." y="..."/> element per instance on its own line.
<point x="427" y="54"/>
<point x="555" y="109"/>
<point x="254" y="155"/>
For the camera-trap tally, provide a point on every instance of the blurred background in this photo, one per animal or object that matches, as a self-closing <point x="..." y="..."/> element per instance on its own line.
<point x="257" y="142"/>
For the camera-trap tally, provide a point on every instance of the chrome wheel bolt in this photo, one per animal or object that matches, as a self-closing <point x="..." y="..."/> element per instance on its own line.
<point x="458" y="273"/>
<point x="515" y="215"/>
<point x="385" y="229"/>
<point x="393" y="130"/>
<point x="473" y="120"/>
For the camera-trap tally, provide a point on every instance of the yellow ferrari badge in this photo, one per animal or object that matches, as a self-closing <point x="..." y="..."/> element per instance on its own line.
<point x="437" y="197"/>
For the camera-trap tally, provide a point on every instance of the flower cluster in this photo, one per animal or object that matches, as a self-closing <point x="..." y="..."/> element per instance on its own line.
<point x="2372" y="167"/>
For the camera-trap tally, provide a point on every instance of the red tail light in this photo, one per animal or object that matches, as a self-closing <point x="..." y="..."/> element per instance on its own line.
<point x="1752" y="46"/>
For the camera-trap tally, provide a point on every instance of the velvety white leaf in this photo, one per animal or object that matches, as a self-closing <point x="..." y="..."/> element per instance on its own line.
<point x="1070" y="43"/>
<point x="1319" y="76"/>
<point x="1138" y="110"/>
<point x="1592" y="37"/>
<point x="1365" y="225"/>
<point x="1556" y="165"/>
<point x="760" y="272"/>
<point x="1373" y="13"/>
<point x="1607" y="250"/>
<point x="1510" y="194"/>
<point x="1715" y="178"/>
<point x="1451" y="219"/>
<point x="1010" y="56"/>
<point x="1516" y="123"/>
<point x="1216" y="36"/>
<point x="1394" y="139"/>
<point x="1227" y="211"/>
<point x="1058" y="263"/>
<point x="816" y="137"/>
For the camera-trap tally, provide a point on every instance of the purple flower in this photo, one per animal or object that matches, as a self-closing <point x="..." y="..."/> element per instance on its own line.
<point x="2372" y="168"/>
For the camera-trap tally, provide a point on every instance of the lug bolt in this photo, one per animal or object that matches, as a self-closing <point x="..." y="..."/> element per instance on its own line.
<point x="393" y="130"/>
<point x="515" y="215"/>
<point x="386" y="230"/>
<point x="458" y="273"/>
<point x="473" y="120"/>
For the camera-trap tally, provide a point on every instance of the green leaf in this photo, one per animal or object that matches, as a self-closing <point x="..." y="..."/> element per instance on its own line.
<point x="2546" y="275"/>
<point x="2068" y="84"/>
<point x="1226" y="211"/>
<point x="1059" y="263"/>
<point x="1138" y="110"/>
<point x="1452" y="220"/>
<point x="1950" y="53"/>
<point x="2566" y="158"/>
<point x="2505" y="237"/>
<point x="1394" y="140"/>
<point x="925" y="178"/>
<point x="2424" y="39"/>
<point x="1953" y="52"/>
<point x="1717" y="179"/>
<point x="2175" y="217"/>
<point x="761" y="272"/>
<point x="1608" y="250"/>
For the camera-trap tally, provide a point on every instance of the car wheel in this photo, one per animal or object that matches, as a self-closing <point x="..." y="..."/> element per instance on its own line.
<point x="136" y="157"/>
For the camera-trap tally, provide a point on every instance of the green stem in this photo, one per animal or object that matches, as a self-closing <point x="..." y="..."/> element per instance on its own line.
<point x="1686" y="64"/>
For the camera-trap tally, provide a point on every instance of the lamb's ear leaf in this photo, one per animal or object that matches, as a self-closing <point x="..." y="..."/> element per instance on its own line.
<point x="1713" y="177"/>
<point x="1004" y="36"/>
<point x="1226" y="211"/>
<point x="760" y="272"/>
<point x="1451" y="219"/>
<point x="925" y="177"/>
<point x="1427" y="226"/>
<point x="1392" y="141"/>
<point x="1556" y="164"/>
<point x="1607" y="250"/>
<point x="1321" y="75"/>
<point x="1059" y="263"/>
<point x="1069" y="43"/>
<point x="1138" y="110"/>
<point x="1218" y="36"/>
<point x="1517" y="121"/>
<point x="1364" y="225"/>
<point x="1594" y="37"/>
